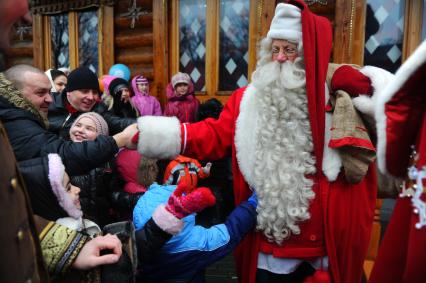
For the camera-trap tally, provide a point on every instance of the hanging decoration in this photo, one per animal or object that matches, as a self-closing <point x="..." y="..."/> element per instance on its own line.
<point x="312" y="2"/>
<point x="133" y="13"/>
<point x="21" y="30"/>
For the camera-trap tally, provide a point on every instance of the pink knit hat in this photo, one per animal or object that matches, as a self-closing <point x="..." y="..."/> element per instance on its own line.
<point x="141" y="80"/>
<point x="101" y="124"/>
<point x="180" y="78"/>
<point x="56" y="178"/>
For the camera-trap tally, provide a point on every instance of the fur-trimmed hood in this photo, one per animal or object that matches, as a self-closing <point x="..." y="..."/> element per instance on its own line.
<point x="44" y="179"/>
<point x="14" y="97"/>
<point x="43" y="200"/>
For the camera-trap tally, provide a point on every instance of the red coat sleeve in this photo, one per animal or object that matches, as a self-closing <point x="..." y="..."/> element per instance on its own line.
<point x="212" y="139"/>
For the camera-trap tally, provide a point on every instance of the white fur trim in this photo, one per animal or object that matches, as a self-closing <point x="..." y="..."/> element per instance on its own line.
<point x="92" y="228"/>
<point x="331" y="160"/>
<point x="185" y="136"/>
<point x="286" y="23"/>
<point x="245" y="138"/>
<point x="159" y="137"/>
<point x="380" y="78"/>
<point x="416" y="60"/>
<point x="167" y="221"/>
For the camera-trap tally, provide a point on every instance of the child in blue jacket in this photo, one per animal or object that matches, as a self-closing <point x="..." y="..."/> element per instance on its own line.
<point x="185" y="256"/>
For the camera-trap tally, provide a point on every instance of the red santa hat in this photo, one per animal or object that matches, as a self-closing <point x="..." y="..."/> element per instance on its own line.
<point x="400" y="114"/>
<point x="287" y="23"/>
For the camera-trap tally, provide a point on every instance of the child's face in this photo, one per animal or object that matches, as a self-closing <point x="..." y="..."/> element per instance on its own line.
<point x="143" y="87"/>
<point x="83" y="130"/>
<point x="181" y="89"/>
<point x="73" y="191"/>
<point x="125" y="94"/>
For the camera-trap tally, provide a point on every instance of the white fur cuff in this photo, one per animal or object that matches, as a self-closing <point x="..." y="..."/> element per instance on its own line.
<point x="159" y="137"/>
<point x="167" y="221"/>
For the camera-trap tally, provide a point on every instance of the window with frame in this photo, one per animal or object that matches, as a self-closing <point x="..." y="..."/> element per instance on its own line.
<point x="393" y="30"/>
<point x="71" y="30"/>
<point x="210" y="42"/>
<point x="73" y="38"/>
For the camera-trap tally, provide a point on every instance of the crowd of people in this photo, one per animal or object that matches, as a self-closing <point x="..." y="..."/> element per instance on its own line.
<point x="112" y="185"/>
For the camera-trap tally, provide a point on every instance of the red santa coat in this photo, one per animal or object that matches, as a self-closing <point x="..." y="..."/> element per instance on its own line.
<point x="346" y="210"/>
<point x="401" y="113"/>
<point x="343" y="212"/>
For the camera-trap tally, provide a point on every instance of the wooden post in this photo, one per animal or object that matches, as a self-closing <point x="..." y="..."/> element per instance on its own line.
<point x="159" y="10"/>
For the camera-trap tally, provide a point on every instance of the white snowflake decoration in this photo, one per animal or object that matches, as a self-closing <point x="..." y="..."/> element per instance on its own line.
<point x="418" y="204"/>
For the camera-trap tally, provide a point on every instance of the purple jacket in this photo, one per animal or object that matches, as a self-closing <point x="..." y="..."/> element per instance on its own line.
<point x="184" y="108"/>
<point x="146" y="104"/>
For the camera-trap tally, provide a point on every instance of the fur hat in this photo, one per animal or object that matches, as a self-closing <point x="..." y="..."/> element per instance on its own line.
<point x="56" y="178"/>
<point x="116" y="85"/>
<point x="180" y="78"/>
<point x="82" y="78"/>
<point x="101" y="124"/>
<point x="286" y="23"/>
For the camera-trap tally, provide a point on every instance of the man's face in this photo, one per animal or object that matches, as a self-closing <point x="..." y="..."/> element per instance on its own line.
<point x="36" y="88"/>
<point x="83" y="99"/>
<point x="283" y="50"/>
<point x="10" y="12"/>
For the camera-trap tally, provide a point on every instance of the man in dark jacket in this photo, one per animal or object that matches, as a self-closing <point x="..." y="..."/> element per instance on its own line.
<point x="81" y="95"/>
<point x="24" y="99"/>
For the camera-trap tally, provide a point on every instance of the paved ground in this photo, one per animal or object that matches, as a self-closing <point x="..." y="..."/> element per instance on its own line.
<point x="222" y="272"/>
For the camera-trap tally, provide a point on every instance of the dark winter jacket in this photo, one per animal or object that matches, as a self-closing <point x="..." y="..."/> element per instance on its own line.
<point x="43" y="201"/>
<point x="60" y="120"/>
<point x="95" y="189"/>
<point x="29" y="137"/>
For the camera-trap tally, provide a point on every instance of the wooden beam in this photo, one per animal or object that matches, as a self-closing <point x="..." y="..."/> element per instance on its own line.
<point x="254" y="34"/>
<point x="21" y="51"/>
<point x="212" y="47"/>
<point x="413" y="20"/>
<point x="268" y="12"/>
<point x="134" y="56"/>
<point x="174" y="45"/>
<point x="106" y="39"/>
<point x="47" y="44"/>
<point x="123" y="40"/>
<point x="38" y="49"/>
<point x="358" y="31"/>
<point x="159" y="29"/>
<point x="343" y="34"/>
<point x="73" y="39"/>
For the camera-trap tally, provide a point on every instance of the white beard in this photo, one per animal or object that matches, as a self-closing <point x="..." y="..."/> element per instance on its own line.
<point x="283" y="152"/>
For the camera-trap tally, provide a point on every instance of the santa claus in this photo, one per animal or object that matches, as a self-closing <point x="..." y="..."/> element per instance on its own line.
<point x="401" y="126"/>
<point x="311" y="216"/>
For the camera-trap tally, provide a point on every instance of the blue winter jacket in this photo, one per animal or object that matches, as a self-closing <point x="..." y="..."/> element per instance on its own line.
<point x="184" y="257"/>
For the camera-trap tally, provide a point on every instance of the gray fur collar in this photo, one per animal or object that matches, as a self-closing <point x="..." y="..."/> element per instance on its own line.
<point x="14" y="96"/>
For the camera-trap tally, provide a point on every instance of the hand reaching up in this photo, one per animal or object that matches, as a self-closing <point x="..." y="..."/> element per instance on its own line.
<point x="181" y="205"/>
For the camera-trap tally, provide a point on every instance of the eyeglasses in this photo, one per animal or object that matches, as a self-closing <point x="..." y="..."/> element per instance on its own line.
<point x="288" y="51"/>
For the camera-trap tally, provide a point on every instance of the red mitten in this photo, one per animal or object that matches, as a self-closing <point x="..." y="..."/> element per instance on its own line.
<point x="352" y="81"/>
<point x="182" y="205"/>
<point x="135" y="138"/>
